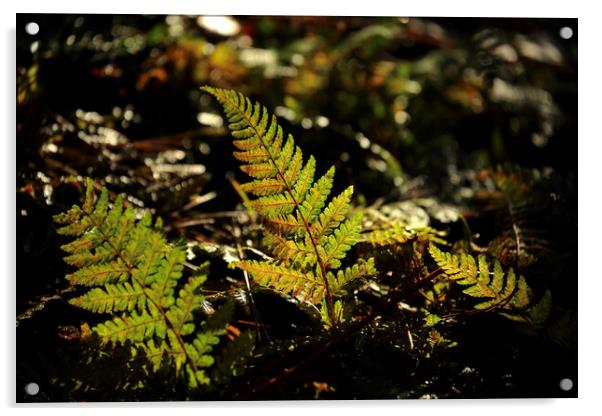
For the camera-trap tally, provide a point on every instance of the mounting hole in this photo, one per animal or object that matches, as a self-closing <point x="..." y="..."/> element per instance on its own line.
<point x="32" y="28"/>
<point x="566" y="32"/>
<point x="32" y="389"/>
<point x="566" y="384"/>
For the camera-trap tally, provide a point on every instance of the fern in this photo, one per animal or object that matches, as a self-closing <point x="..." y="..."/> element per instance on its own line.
<point x="396" y="224"/>
<point x="521" y="205"/>
<point x="502" y="290"/>
<point x="135" y="275"/>
<point x="308" y="236"/>
<point x="396" y="233"/>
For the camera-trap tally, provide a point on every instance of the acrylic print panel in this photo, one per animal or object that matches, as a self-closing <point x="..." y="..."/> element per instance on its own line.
<point x="244" y="208"/>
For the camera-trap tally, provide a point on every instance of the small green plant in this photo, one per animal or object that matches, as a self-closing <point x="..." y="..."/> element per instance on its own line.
<point x="501" y="290"/>
<point x="308" y="238"/>
<point x="136" y="276"/>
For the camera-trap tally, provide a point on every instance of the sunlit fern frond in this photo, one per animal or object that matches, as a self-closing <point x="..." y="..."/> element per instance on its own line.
<point x="308" y="235"/>
<point x="135" y="276"/>
<point x="398" y="223"/>
<point x="398" y="234"/>
<point x="502" y="290"/>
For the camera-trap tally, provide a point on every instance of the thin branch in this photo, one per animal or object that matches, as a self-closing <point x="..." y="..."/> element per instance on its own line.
<point x="42" y="303"/>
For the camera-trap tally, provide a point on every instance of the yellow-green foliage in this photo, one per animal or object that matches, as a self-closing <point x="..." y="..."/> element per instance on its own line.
<point x="396" y="233"/>
<point x="136" y="276"/>
<point x="307" y="236"/>
<point x="503" y="290"/>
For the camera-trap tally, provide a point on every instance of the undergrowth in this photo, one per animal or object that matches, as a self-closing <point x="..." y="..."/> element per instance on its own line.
<point x="330" y="256"/>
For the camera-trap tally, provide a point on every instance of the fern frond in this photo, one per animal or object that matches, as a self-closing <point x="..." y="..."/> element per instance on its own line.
<point x="189" y="300"/>
<point x="521" y="208"/>
<point x="351" y="274"/>
<point x="301" y="284"/>
<point x="503" y="290"/>
<point x="290" y="251"/>
<point x="135" y="327"/>
<point x="308" y="237"/>
<point x="337" y="244"/>
<point x="285" y="225"/>
<point x="112" y="298"/>
<point x="133" y="274"/>
<point x="169" y="273"/>
<point x="384" y="231"/>
<point x="99" y="274"/>
<point x="333" y="214"/>
<point x="395" y="234"/>
<point x="312" y="206"/>
<point x="539" y="313"/>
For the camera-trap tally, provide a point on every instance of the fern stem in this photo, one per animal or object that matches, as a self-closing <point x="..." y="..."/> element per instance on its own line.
<point x="430" y="276"/>
<point x="288" y="188"/>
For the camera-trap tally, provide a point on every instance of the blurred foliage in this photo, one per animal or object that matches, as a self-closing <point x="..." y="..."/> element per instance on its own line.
<point x="462" y="130"/>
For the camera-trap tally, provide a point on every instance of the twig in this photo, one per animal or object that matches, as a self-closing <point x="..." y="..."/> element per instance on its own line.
<point x="204" y="218"/>
<point x="43" y="301"/>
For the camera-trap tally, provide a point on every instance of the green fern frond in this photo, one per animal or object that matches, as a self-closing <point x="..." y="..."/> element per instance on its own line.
<point x="333" y="214"/>
<point x="133" y="274"/>
<point x="336" y="245"/>
<point x="285" y="225"/>
<point x="113" y="298"/>
<point x="395" y="233"/>
<point x="503" y="290"/>
<point x="308" y="236"/>
<point x="302" y="284"/>
<point x="290" y="251"/>
<point x="350" y="274"/>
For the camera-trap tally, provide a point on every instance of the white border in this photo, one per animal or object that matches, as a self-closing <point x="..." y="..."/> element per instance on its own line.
<point x="590" y="95"/>
<point x="506" y="8"/>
